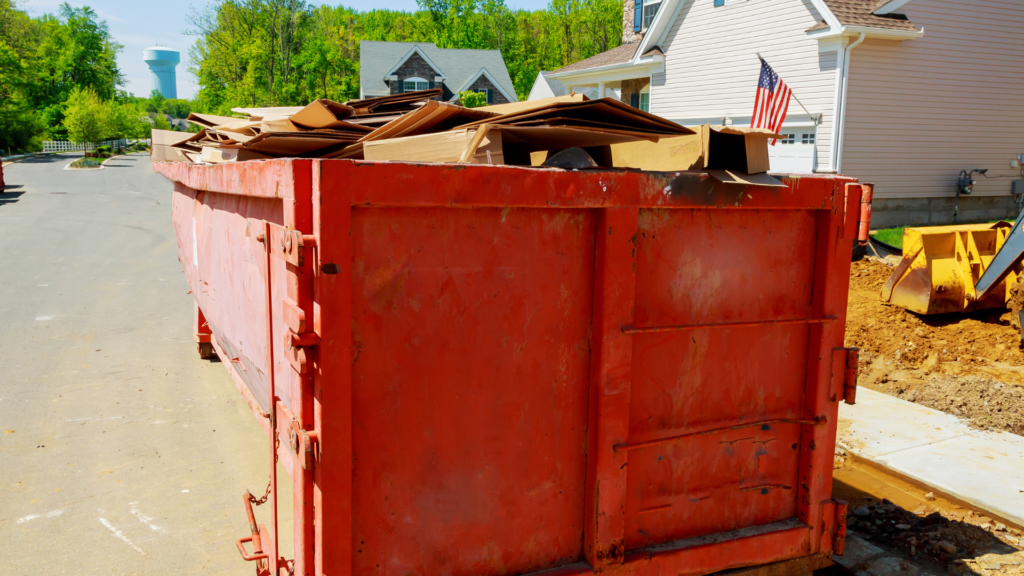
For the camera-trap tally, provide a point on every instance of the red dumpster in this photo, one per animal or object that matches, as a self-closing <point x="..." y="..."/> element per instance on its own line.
<point x="486" y="370"/>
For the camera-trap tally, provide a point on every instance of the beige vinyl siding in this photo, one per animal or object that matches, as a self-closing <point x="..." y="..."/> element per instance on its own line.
<point x="711" y="65"/>
<point x="919" y="111"/>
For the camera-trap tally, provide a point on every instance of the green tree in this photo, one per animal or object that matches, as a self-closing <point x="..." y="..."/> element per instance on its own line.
<point x="42" y="61"/>
<point x="126" y="120"/>
<point x="160" y="122"/>
<point x="86" y="117"/>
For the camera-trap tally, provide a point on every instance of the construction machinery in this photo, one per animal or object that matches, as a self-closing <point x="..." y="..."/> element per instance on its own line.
<point x="956" y="268"/>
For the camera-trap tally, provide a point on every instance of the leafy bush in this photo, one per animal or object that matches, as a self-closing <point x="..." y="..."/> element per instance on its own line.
<point x="472" y="99"/>
<point x="103" y="149"/>
<point x="85" y="163"/>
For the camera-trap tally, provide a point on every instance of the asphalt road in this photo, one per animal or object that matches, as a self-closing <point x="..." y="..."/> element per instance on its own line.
<point x="122" y="452"/>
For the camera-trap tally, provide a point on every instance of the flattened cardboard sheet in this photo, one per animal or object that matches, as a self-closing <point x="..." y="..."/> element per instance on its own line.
<point x="513" y="107"/>
<point x="322" y="113"/>
<point x="735" y="177"/>
<point x="433" y="116"/>
<point x="210" y="120"/>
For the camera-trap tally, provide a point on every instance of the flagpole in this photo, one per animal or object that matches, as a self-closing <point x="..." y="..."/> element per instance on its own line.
<point x="793" y="94"/>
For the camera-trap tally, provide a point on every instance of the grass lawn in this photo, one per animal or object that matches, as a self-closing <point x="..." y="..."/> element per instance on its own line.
<point x="891" y="236"/>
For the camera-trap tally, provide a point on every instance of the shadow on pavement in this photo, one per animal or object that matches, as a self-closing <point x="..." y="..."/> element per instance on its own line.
<point x="13" y="187"/>
<point x="49" y="159"/>
<point x="10" y="198"/>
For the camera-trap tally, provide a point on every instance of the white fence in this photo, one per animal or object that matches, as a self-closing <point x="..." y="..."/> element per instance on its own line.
<point x="65" y="146"/>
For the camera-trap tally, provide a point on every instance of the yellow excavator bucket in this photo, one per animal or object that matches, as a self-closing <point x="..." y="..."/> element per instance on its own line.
<point x="941" y="266"/>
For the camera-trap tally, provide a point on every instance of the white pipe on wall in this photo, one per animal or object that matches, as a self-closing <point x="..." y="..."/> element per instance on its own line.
<point x="837" y="143"/>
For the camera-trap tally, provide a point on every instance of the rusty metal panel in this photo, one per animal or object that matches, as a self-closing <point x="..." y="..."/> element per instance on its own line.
<point x="713" y="276"/>
<point x="470" y="385"/>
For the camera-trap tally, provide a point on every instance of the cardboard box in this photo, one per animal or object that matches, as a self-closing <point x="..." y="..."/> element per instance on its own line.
<point x="222" y="155"/>
<point x="163" y="140"/>
<point x="732" y="155"/>
<point x="440" y="147"/>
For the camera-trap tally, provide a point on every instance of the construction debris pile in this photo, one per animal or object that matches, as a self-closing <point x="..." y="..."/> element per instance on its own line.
<point x="416" y="127"/>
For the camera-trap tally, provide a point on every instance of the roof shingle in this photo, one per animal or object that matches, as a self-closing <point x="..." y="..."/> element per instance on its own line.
<point x="457" y="64"/>
<point x="618" y="55"/>
<point x="859" y="13"/>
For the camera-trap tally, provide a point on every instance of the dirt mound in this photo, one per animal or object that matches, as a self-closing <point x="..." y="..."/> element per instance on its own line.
<point x="968" y="365"/>
<point x="979" y="338"/>
<point x="1016" y="303"/>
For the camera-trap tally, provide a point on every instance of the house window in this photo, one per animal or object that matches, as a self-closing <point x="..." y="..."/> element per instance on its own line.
<point x="807" y="138"/>
<point x="788" y="139"/>
<point x="650" y="11"/>
<point x="645" y="101"/>
<point x="415" y="85"/>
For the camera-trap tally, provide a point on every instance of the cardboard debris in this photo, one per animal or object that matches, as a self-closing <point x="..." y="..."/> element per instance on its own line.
<point x="161" y="150"/>
<point x="566" y="131"/>
<point x="222" y="155"/>
<point x="728" y="149"/>
<point x="261" y="113"/>
<point x="532" y="104"/>
<point x="393" y="104"/>
<point x="210" y="120"/>
<point x="441" y="147"/>
<point x="432" y="117"/>
<point x="322" y="113"/>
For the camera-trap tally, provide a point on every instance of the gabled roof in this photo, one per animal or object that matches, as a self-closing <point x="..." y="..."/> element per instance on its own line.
<point x="861" y="13"/>
<point x="377" y="59"/>
<point x="619" y="55"/>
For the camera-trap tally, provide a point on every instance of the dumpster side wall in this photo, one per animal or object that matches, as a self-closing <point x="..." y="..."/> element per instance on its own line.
<point x="492" y="370"/>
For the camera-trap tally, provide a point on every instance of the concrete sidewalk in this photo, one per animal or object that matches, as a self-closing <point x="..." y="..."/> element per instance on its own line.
<point x="937" y="450"/>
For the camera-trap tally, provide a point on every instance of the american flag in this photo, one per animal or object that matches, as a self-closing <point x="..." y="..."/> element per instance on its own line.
<point x="772" y="100"/>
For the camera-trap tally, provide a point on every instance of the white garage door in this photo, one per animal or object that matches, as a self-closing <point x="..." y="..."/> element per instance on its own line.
<point x="795" y="153"/>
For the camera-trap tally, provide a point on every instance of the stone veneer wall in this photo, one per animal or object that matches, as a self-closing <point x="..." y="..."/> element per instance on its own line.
<point x="627" y="23"/>
<point x="414" y="67"/>
<point x="482" y="83"/>
<point x="630" y="87"/>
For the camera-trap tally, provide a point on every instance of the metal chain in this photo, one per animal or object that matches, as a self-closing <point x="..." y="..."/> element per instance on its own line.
<point x="262" y="500"/>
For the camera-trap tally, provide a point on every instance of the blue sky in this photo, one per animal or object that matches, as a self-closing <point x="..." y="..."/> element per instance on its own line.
<point x="139" y="24"/>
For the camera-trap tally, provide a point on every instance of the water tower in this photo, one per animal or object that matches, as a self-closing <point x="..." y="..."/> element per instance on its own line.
<point x="162" y="62"/>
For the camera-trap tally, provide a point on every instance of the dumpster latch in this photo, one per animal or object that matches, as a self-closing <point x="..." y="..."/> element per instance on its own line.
<point x="303" y="444"/>
<point x="295" y="346"/>
<point x="290" y="245"/>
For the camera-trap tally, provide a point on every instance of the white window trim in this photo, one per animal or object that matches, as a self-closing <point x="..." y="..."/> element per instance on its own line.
<point x="415" y="79"/>
<point x="415" y="50"/>
<point x="644" y="9"/>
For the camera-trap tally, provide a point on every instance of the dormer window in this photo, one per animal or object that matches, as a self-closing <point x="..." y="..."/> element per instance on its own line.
<point x="650" y="11"/>
<point x="415" y="85"/>
<point x="644" y="12"/>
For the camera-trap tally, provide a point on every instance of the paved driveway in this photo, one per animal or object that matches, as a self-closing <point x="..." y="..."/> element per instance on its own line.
<point x="122" y="452"/>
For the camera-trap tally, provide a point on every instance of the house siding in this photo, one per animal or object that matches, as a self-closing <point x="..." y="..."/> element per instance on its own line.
<point x="711" y="65"/>
<point x="919" y="111"/>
